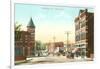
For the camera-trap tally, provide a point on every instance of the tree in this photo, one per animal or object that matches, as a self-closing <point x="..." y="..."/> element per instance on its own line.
<point x="17" y="31"/>
<point x="43" y="47"/>
<point x="38" y="45"/>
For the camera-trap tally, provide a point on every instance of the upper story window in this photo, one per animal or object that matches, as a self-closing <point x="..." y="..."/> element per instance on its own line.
<point x="83" y="24"/>
<point x="77" y="27"/>
<point x="32" y="33"/>
<point x="77" y="38"/>
<point x="83" y="35"/>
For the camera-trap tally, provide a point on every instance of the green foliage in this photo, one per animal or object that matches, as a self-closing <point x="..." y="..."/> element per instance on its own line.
<point x="40" y="46"/>
<point x="17" y="31"/>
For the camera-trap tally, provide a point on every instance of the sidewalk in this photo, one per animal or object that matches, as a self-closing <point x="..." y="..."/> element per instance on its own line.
<point x="79" y="59"/>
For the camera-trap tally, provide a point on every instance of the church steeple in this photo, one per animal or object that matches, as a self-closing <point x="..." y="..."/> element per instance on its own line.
<point x="31" y="23"/>
<point x="31" y="26"/>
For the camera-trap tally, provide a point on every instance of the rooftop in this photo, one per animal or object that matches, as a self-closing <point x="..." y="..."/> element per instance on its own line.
<point x="31" y="23"/>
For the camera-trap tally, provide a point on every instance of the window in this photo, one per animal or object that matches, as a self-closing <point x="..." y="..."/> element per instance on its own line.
<point x="18" y="51"/>
<point x="77" y="37"/>
<point x="83" y="24"/>
<point x="83" y="36"/>
<point x="26" y="37"/>
<point x="77" y="27"/>
<point x="32" y="33"/>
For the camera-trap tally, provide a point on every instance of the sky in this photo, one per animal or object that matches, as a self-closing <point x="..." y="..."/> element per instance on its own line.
<point x="50" y="21"/>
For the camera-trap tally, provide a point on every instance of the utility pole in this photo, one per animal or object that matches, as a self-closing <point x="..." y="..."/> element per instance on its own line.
<point x="35" y="48"/>
<point x="67" y="47"/>
<point x="54" y="44"/>
<point x="54" y="38"/>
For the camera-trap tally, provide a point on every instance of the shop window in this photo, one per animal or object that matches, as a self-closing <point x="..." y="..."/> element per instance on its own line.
<point x="18" y="51"/>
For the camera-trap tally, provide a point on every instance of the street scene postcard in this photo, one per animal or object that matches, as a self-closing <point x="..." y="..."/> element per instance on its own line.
<point x="53" y="34"/>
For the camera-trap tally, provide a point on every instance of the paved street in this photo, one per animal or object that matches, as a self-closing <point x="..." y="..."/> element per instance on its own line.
<point x="51" y="59"/>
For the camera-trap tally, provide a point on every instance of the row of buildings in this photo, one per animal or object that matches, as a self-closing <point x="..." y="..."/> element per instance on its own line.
<point x="54" y="48"/>
<point x="84" y="32"/>
<point x="25" y="42"/>
<point x="25" y="45"/>
<point x="84" y="36"/>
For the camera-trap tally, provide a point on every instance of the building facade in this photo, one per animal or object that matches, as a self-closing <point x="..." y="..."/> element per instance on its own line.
<point x="25" y="43"/>
<point x="55" y="47"/>
<point x="84" y="33"/>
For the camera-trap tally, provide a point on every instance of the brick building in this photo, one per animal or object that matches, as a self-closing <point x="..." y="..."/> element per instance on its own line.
<point x="25" y="44"/>
<point x="55" y="47"/>
<point x="84" y="32"/>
